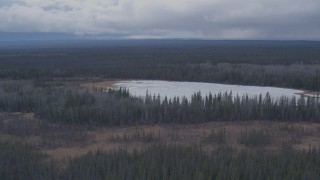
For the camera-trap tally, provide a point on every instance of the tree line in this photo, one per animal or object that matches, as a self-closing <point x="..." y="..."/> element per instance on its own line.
<point x="160" y="161"/>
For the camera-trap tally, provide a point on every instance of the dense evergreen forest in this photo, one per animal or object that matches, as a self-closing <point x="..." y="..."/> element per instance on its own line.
<point x="41" y="98"/>
<point x="19" y="161"/>
<point x="284" y="64"/>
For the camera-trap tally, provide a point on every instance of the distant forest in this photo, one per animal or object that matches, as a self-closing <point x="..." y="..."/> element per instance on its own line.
<point x="282" y="64"/>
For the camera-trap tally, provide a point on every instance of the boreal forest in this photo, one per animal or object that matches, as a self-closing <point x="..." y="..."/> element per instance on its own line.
<point x="64" y="116"/>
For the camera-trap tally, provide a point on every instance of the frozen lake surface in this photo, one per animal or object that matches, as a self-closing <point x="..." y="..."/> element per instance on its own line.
<point x="180" y="89"/>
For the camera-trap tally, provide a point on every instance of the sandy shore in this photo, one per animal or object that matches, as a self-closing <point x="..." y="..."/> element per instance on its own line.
<point x="101" y="84"/>
<point x="309" y="94"/>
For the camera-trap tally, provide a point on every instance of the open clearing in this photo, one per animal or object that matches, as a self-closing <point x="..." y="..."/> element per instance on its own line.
<point x="63" y="142"/>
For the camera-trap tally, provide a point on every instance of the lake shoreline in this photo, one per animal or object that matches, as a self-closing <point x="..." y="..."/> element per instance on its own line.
<point x="110" y="83"/>
<point x="187" y="89"/>
<point x="312" y="94"/>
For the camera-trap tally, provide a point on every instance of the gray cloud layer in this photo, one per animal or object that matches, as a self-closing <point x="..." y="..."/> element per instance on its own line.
<point x="205" y="19"/>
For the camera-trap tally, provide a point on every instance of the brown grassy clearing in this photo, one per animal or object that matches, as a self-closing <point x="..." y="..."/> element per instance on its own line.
<point x="63" y="142"/>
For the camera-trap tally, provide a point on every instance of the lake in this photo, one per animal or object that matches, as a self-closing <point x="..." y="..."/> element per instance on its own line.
<point x="180" y="89"/>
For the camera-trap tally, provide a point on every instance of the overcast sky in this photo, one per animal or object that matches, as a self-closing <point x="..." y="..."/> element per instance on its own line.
<point x="200" y="19"/>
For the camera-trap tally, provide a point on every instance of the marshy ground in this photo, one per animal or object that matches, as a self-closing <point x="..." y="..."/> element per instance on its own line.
<point x="65" y="141"/>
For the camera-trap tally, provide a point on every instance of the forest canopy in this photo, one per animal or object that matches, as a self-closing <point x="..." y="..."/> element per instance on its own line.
<point x="283" y="64"/>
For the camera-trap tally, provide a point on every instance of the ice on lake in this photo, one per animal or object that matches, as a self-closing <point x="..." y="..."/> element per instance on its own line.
<point x="179" y="89"/>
